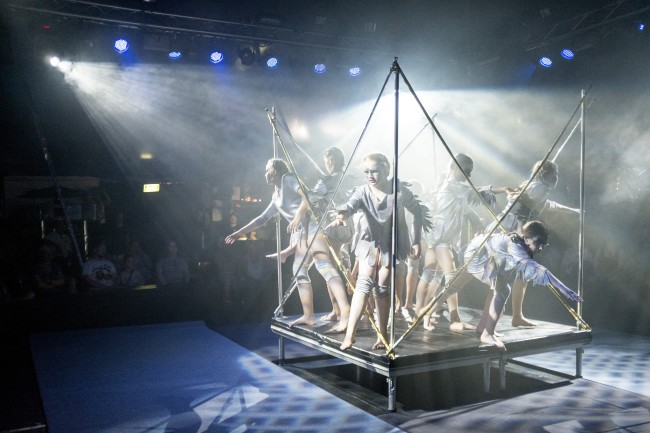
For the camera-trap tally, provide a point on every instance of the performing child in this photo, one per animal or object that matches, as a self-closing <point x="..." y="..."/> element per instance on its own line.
<point x="320" y="196"/>
<point x="290" y="202"/>
<point x="450" y="205"/>
<point x="533" y="201"/>
<point x="373" y="248"/>
<point x="503" y="259"/>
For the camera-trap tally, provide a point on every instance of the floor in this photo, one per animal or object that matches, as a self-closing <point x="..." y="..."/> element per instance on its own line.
<point x="542" y="394"/>
<point x="126" y="379"/>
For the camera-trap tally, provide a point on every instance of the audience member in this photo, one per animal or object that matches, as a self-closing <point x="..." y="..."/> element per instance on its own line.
<point x="98" y="273"/>
<point x="130" y="277"/>
<point x="61" y="239"/>
<point x="254" y="274"/>
<point x="141" y="261"/>
<point x="117" y="236"/>
<point x="172" y="271"/>
<point x="47" y="276"/>
<point x="64" y="255"/>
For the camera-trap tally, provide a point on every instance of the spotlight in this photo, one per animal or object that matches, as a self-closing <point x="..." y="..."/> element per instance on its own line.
<point x="269" y="54"/>
<point x="216" y="57"/>
<point x="354" y="71"/>
<point x="640" y="26"/>
<point x="121" y="46"/>
<point x="55" y="61"/>
<point x="546" y="62"/>
<point x="320" y="68"/>
<point x="247" y="56"/>
<point x="178" y="44"/>
<point x="567" y="54"/>
<point x="272" y="62"/>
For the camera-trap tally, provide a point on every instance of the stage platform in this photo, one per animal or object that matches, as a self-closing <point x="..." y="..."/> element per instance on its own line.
<point x="423" y="350"/>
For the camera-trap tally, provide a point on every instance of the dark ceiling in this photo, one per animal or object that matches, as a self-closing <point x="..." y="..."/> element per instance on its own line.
<point x="461" y="35"/>
<point x="466" y="30"/>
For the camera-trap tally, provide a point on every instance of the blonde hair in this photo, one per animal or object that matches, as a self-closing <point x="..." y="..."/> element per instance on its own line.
<point x="549" y="167"/>
<point x="379" y="158"/>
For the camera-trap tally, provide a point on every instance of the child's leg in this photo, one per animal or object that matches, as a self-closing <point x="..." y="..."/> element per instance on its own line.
<point x="494" y="312"/>
<point x="486" y="311"/>
<point x="518" y="294"/>
<point x="422" y="295"/>
<point x="413" y="278"/>
<point x="301" y="271"/>
<point x="307" y="301"/>
<point x="362" y="289"/>
<point x="335" y="314"/>
<point x="382" y="304"/>
<point x="284" y="254"/>
<point x="432" y="288"/>
<point x="334" y="282"/>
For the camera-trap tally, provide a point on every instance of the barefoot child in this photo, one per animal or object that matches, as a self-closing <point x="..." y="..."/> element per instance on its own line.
<point x="450" y="205"/>
<point x="320" y="196"/>
<point x="532" y="203"/>
<point x="291" y="203"/>
<point x="373" y="248"/>
<point x="503" y="259"/>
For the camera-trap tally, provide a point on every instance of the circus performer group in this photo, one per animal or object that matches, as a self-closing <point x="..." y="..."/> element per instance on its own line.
<point x="324" y="222"/>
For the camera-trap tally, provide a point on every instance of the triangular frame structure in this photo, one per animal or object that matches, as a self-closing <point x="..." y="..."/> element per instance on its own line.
<point x="395" y="69"/>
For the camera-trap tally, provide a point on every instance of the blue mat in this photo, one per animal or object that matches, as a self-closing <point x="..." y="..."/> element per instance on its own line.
<point x="180" y="377"/>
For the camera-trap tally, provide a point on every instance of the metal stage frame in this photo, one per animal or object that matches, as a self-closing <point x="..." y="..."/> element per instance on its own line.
<point x="427" y="351"/>
<point x="424" y="351"/>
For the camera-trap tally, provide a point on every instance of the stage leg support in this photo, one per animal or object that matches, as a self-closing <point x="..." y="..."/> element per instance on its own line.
<point x="392" y="384"/>
<point x="502" y="373"/>
<point x="281" y="351"/>
<point x="579" y="352"/>
<point x="486" y="376"/>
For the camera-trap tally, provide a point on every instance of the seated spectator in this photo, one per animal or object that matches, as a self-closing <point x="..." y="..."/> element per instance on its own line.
<point x="99" y="273"/>
<point x="172" y="271"/>
<point x="60" y="238"/>
<point x="141" y="261"/>
<point x="117" y="238"/>
<point x="130" y="276"/>
<point x="48" y="278"/>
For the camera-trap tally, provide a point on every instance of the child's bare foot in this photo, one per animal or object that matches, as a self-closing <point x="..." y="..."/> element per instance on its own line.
<point x="283" y="256"/>
<point x="491" y="340"/>
<point x="303" y="320"/>
<point x="522" y="321"/>
<point x="339" y="327"/>
<point x="406" y="314"/>
<point x="429" y="323"/>
<point x="461" y="326"/>
<point x="274" y="256"/>
<point x="332" y="316"/>
<point x="378" y="345"/>
<point x="347" y="343"/>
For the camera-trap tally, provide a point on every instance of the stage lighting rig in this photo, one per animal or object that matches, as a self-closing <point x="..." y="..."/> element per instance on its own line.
<point x="216" y="57"/>
<point x="567" y="54"/>
<point x="121" y="46"/>
<point x="247" y="55"/>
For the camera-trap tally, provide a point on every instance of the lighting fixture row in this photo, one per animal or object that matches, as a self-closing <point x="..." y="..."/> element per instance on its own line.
<point x="566" y="54"/>
<point x="121" y="46"/>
